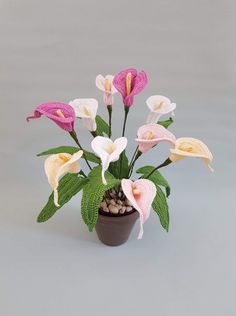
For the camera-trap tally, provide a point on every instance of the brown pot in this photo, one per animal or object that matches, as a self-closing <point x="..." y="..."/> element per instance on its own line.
<point x="114" y="230"/>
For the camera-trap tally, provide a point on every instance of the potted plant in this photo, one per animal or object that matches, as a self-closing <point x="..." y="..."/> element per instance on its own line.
<point x="112" y="197"/>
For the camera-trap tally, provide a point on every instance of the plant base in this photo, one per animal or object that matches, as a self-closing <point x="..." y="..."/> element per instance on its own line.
<point x="114" y="230"/>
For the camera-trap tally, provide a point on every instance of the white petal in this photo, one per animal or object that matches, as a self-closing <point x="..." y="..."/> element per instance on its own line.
<point x="100" y="82"/>
<point x="85" y="108"/>
<point x="89" y="123"/>
<point x="153" y="117"/>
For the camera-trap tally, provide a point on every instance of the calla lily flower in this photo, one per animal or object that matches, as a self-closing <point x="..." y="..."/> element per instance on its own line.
<point x="191" y="147"/>
<point x="129" y="83"/>
<point x="108" y="151"/>
<point x="150" y="135"/>
<point x="159" y="105"/>
<point x="60" y="113"/>
<point x="86" y="109"/>
<point x="57" y="165"/>
<point x="141" y="194"/>
<point x="105" y="84"/>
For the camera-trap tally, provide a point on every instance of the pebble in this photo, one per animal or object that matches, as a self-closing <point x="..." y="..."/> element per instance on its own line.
<point x="129" y="209"/>
<point x="112" y="202"/>
<point x="127" y="202"/>
<point x="103" y="204"/>
<point x="123" y="209"/>
<point x="105" y="209"/>
<point x="113" y="209"/>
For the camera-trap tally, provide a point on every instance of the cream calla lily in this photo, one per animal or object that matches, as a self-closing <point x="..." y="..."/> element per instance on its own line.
<point x="57" y="165"/>
<point x="108" y="151"/>
<point x="86" y="109"/>
<point x="191" y="147"/>
<point x="159" y="105"/>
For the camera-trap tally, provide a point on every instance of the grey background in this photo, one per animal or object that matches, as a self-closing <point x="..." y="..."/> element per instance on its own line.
<point x="52" y="51"/>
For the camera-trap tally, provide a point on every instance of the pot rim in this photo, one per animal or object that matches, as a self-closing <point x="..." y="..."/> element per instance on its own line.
<point x="109" y="214"/>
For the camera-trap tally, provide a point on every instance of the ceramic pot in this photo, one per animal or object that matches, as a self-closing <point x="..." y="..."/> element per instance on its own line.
<point x="114" y="230"/>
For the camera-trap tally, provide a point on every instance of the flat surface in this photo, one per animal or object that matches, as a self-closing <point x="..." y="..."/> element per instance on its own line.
<point x="52" y="50"/>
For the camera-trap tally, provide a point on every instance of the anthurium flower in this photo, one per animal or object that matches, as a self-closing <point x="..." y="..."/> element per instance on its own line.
<point x="86" y="109"/>
<point x="141" y="194"/>
<point x="129" y="83"/>
<point x="191" y="147"/>
<point x="159" y="105"/>
<point x="60" y="113"/>
<point x="57" y="165"/>
<point x="106" y="85"/>
<point x="150" y="135"/>
<point x="108" y="151"/>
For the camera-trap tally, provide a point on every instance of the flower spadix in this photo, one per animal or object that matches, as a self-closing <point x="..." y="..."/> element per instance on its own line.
<point x="191" y="147"/>
<point x="60" y="113"/>
<point x="141" y="194"/>
<point x="106" y="85"/>
<point x="129" y="83"/>
<point x="108" y="151"/>
<point x="86" y="109"/>
<point x="158" y="106"/>
<point x="150" y="135"/>
<point x="57" y="165"/>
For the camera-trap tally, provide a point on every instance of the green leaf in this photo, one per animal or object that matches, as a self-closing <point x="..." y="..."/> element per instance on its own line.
<point x="93" y="193"/>
<point x="102" y="126"/>
<point x="161" y="208"/>
<point x="69" y="185"/>
<point x="166" y="123"/>
<point x="157" y="178"/>
<point x="120" y="168"/>
<point x="70" y="150"/>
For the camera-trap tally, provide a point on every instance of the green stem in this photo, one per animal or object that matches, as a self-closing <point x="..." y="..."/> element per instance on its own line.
<point x="74" y="136"/>
<point x="126" y="108"/>
<point x="109" y="108"/>
<point x="83" y="174"/>
<point x="164" y="164"/>
<point x="138" y="154"/>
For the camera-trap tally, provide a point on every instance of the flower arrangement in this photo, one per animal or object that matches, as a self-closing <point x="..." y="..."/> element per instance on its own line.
<point x="111" y="197"/>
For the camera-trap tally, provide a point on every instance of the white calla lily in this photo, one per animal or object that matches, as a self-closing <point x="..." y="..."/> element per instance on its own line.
<point x="159" y="105"/>
<point x="86" y="109"/>
<point x="57" y="165"/>
<point x="108" y="151"/>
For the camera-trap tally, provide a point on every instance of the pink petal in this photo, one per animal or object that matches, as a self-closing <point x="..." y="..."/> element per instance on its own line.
<point x="120" y="80"/>
<point x="49" y="110"/>
<point x="159" y="134"/>
<point x="142" y="202"/>
<point x="100" y="81"/>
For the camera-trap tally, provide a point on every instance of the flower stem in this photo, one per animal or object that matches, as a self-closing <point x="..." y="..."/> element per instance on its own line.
<point x="74" y="136"/>
<point x="109" y="108"/>
<point x="125" y="119"/>
<point x="134" y="159"/>
<point x="164" y="164"/>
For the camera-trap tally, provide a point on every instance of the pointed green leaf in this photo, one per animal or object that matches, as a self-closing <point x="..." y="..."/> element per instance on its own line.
<point x="120" y="168"/>
<point x="156" y="177"/>
<point x="102" y="126"/>
<point x="70" y="150"/>
<point x="166" y="123"/>
<point x="69" y="185"/>
<point x="93" y="193"/>
<point x="161" y="208"/>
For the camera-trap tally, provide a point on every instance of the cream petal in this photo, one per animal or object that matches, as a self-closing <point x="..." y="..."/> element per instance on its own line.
<point x="55" y="167"/>
<point x="142" y="202"/>
<point x="191" y="147"/>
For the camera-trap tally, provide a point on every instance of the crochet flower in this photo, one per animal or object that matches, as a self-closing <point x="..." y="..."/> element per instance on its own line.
<point x="159" y="105"/>
<point x="129" y="83"/>
<point x="191" y="147"/>
<point x="108" y="151"/>
<point x="141" y="194"/>
<point x="86" y="109"/>
<point x="57" y="165"/>
<point x="60" y="113"/>
<point x="150" y="135"/>
<point x="105" y="84"/>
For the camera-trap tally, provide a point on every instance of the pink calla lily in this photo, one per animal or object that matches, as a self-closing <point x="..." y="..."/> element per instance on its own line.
<point x="60" y="113"/>
<point x="108" y="151"/>
<point x="141" y="194"/>
<point x="150" y="135"/>
<point x="129" y="83"/>
<point x="106" y="85"/>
